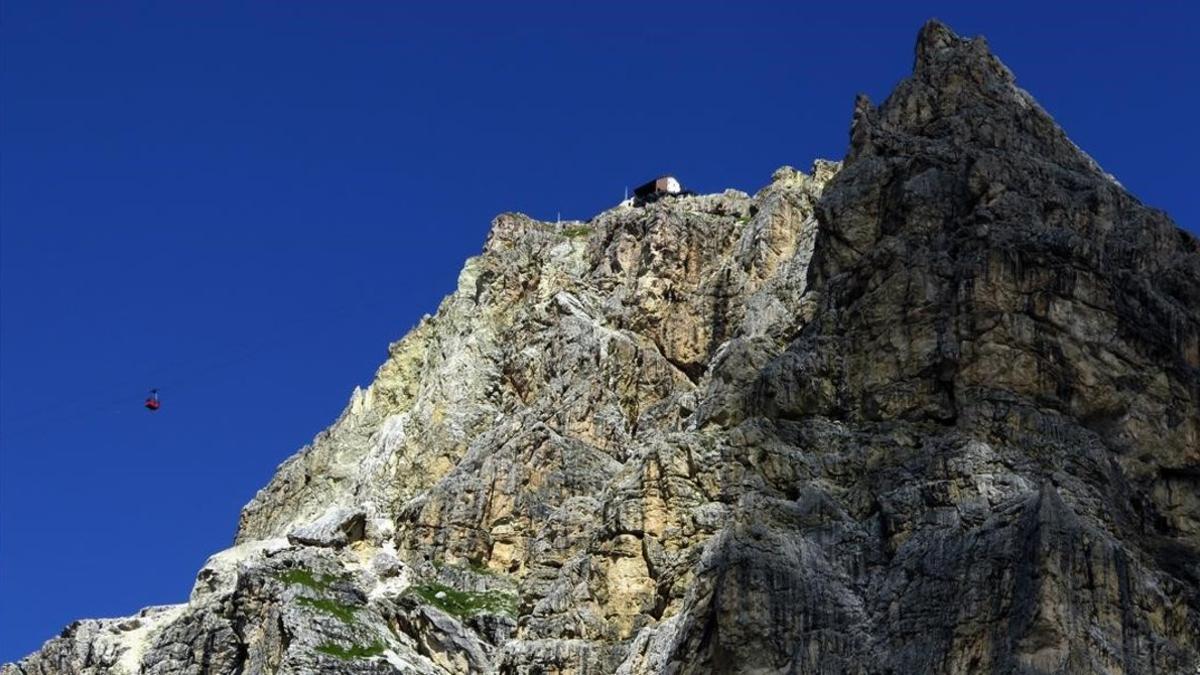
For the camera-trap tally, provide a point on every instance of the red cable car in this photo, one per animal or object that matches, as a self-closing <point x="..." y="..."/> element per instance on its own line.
<point x="152" y="403"/>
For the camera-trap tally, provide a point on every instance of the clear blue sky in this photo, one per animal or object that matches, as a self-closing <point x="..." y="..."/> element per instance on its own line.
<point x="243" y="203"/>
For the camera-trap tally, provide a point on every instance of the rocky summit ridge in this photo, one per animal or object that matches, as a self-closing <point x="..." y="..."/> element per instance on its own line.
<point x="933" y="409"/>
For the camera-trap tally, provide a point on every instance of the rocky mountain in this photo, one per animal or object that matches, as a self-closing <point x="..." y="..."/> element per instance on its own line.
<point x="932" y="409"/>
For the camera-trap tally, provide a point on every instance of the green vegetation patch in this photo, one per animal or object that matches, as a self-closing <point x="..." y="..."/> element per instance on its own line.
<point x="343" y="612"/>
<point x="302" y="577"/>
<point x="465" y="603"/>
<point x="577" y="231"/>
<point x="353" y="651"/>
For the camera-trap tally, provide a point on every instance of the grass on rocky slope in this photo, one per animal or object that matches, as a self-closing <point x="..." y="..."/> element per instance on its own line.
<point x="576" y="231"/>
<point x="353" y="651"/>
<point x="319" y="583"/>
<point x="465" y="603"/>
<point x="303" y="577"/>
<point x="337" y="609"/>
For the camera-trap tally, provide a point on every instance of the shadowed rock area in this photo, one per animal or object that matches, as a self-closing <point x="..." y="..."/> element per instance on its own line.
<point x="934" y="409"/>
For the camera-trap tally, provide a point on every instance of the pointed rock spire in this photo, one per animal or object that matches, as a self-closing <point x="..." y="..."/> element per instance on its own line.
<point x="962" y="97"/>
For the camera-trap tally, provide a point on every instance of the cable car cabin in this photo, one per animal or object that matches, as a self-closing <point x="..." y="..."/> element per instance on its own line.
<point x="658" y="188"/>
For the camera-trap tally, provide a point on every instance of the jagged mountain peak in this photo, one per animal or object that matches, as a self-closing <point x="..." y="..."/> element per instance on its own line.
<point x="938" y="44"/>
<point x="933" y="409"/>
<point x="961" y="94"/>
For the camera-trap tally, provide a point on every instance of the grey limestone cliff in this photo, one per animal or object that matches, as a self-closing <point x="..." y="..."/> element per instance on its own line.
<point x="933" y="409"/>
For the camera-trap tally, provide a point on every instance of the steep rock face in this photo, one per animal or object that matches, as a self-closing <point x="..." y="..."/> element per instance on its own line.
<point x="995" y="405"/>
<point x="936" y="409"/>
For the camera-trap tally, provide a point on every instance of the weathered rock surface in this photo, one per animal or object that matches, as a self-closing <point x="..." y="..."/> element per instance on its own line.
<point x="337" y="527"/>
<point x="932" y="410"/>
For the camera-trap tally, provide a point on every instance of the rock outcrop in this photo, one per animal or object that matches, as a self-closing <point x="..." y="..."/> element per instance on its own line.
<point x="934" y="409"/>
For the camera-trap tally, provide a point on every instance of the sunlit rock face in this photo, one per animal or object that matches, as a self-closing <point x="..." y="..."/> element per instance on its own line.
<point x="933" y="409"/>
